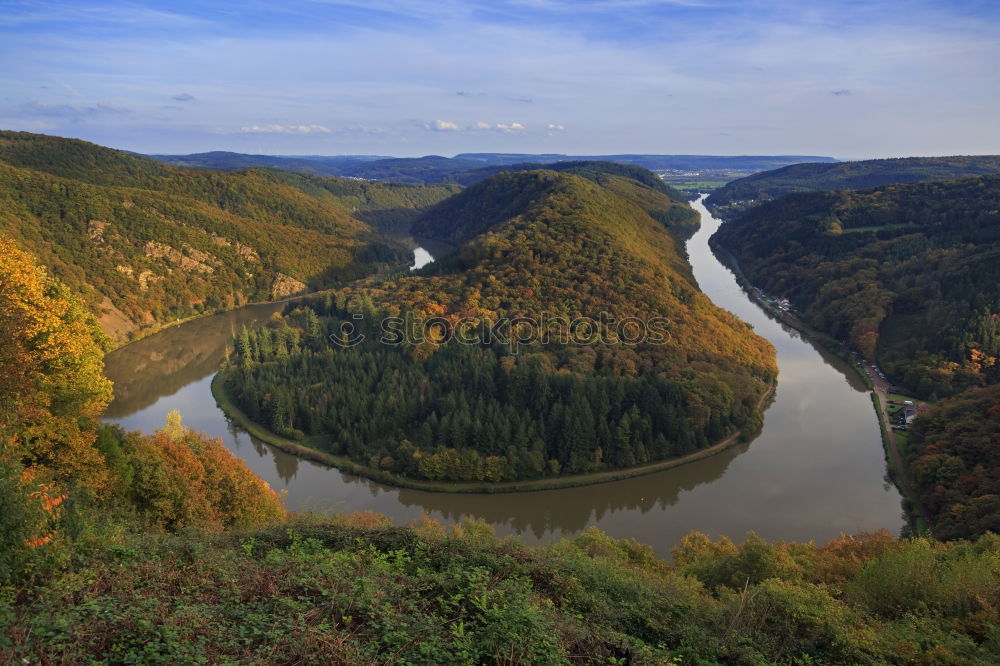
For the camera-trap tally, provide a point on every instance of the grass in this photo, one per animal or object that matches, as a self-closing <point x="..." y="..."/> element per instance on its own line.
<point x="902" y="442"/>
<point x="345" y="464"/>
<point x="865" y="378"/>
<point x="885" y="441"/>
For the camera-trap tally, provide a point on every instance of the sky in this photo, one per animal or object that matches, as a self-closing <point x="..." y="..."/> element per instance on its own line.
<point x="405" y="77"/>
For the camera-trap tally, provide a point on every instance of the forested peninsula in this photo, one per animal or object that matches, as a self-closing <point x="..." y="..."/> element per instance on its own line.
<point x="661" y="373"/>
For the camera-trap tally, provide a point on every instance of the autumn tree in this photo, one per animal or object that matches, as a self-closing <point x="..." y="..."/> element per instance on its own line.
<point x="51" y="382"/>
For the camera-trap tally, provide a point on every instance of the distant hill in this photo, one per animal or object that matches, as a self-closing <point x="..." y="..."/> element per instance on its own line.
<point x="743" y="192"/>
<point x="466" y="167"/>
<point x="145" y="243"/>
<point x="228" y="161"/>
<point x="656" y="162"/>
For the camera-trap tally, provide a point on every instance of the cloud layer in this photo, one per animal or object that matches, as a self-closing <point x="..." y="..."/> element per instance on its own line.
<point x="841" y="77"/>
<point x="286" y="129"/>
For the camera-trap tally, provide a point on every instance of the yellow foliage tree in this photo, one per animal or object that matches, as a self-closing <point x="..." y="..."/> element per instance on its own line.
<point x="52" y="386"/>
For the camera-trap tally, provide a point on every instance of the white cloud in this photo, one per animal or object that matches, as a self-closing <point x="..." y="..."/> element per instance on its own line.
<point x="444" y="126"/>
<point x="364" y="129"/>
<point x="511" y="128"/>
<point x="482" y="126"/>
<point x="554" y="127"/>
<point x="285" y="129"/>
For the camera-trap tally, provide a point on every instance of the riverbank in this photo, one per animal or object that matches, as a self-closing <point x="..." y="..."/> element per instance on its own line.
<point x="916" y="515"/>
<point x="143" y="333"/>
<point x="234" y="413"/>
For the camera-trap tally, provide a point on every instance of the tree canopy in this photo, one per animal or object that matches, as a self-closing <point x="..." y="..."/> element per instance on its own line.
<point x="534" y="245"/>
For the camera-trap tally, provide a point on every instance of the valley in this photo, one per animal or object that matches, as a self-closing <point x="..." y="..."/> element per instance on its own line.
<point x="821" y="419"/>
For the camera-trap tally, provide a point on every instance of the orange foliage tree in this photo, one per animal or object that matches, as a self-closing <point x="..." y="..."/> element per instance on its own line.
<point x="181" y="478"/>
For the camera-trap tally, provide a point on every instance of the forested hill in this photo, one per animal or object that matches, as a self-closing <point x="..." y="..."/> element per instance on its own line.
<point x="768" y="185"/>
<point x="658" y="372"/>
<point x="507" y="193"/>
<point x="146" y="243"/>
<point x="910" y="276"/>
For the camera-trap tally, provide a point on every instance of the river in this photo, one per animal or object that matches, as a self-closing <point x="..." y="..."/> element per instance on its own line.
<point x="817" y="469"/>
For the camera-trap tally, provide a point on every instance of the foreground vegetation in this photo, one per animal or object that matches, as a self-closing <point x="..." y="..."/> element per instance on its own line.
<point x="358" y="590"/>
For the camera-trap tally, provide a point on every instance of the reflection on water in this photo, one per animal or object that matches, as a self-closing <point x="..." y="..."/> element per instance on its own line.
<point x="167" y="361"/>
<point x="421" y="258"/>
<point x="816" y="469"/>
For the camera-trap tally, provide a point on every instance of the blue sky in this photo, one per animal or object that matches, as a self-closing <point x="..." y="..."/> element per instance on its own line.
<point x="841" y="78"/>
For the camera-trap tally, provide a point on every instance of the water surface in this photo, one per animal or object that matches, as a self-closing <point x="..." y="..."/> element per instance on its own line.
<point x="421" y="258"/>
<point x="817" y="468"/>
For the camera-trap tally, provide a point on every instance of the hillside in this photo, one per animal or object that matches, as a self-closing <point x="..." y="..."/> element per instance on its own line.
<point x="768" y="185"/>
<point x="658" y="372"/>
<point x="146" y="243"/>
<point x="954" y="454"/>
<point x="317" y="165"/>
<point x="908" y="275"/>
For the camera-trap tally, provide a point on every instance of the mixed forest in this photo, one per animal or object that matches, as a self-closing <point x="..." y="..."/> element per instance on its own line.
<point x="144" y="244"/>
<point x="126" y="548"/>
<point x="535" y="246"/>
<point x="908" y="275"/>
<point x="120" y="547"/>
